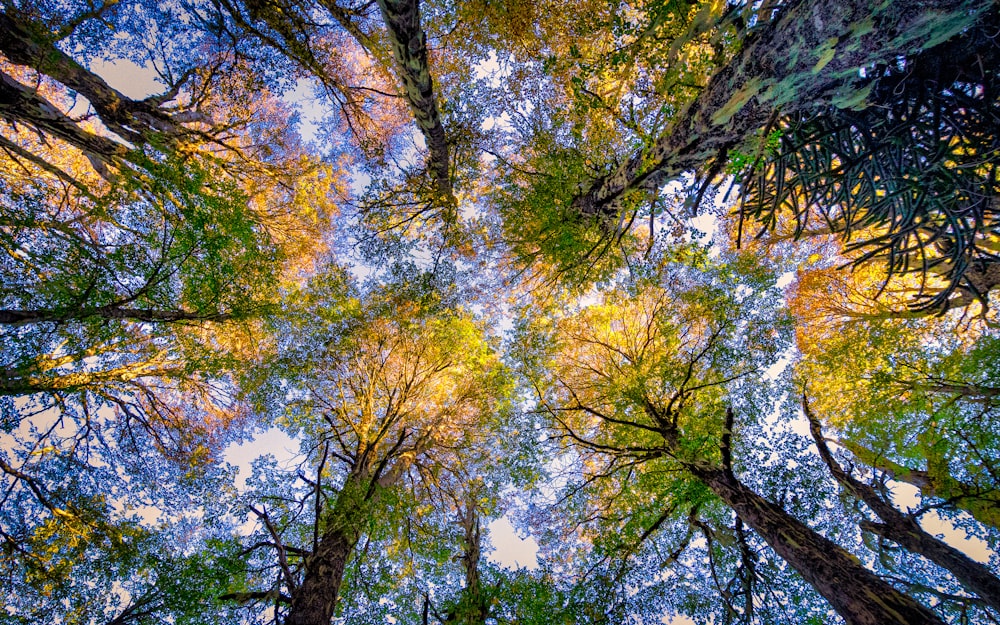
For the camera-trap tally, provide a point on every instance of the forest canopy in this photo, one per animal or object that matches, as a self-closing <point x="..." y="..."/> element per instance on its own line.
<point x="698" y="295"/>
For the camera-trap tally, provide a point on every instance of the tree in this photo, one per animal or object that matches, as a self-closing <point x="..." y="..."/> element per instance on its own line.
<point x="289" y="29"/>
<point x="904" y="529"/>
<point x="633" y="388"/>
<point x="181" y="268"/>
<point x="908" y="393"/>
<point x="141" y="242"/>
<point x="383" y="396"/>
<point x="761" y="82"/>
<point x="890" y="177"/>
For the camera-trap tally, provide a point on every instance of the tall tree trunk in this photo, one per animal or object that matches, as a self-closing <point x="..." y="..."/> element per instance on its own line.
<point x="905" y="531"/>
<point x="473" y="607"/>
<point x="314" y="600"/>
<point x="857" y="594"/>
<point x="19" y="104"/>
<point x="29" y="43"/>
<point x="984" y="506"/>
<point x="973" y="576"/>
<point x="409" y="47"/>
<point x="24" y="382"/>
<point x="810" y="54"/>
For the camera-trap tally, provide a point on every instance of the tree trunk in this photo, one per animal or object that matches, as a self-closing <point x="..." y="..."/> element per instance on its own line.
<point x="904" y="529"/>
<point x="810" y="54"/>
<point x="19" y="104"/>
<point x="473" y="607"/>
<point x="23" y="382"/>
<point x="28" y="43"/>
<point x="973" y="576"/>
<point x="857" y="594"/>
<point x="314" y="600"/>
<point x="984" y="506"/>
<point x="409" y="47"/>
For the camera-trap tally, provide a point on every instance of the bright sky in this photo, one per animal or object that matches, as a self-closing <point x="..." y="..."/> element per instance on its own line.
<point x="129" y="78"/>
<point x="509" y="549"/>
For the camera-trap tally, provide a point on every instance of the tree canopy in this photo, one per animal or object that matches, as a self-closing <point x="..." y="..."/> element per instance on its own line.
<point x="697" y="294"/>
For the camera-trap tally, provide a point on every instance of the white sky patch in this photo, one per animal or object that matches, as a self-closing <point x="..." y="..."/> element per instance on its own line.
<point x="359" y="182"/>
<point x="800" y="425"/>
<point x="672" y="187"/>
<point x="593" y="297"/>
<point x="785" y="279"/>
<point x="309" y="107"/>
<point x="706" y="223"/>
<point x="361" y="271"/>
<point x="149" y="515"/>
<point x="135" y="81"/>
<point x="509" y="549"/>
<point x="491" y="70"/>
<point x="272" y="441"/>
<point x="779" y="366"/>
<point x="906" y="496"/>
<point x="496" y="122"/>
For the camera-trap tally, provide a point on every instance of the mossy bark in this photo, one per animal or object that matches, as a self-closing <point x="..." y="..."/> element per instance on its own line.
<point x="409" y="48"/>
<point x="810" y="54"/>
<point x="314" y="600"/>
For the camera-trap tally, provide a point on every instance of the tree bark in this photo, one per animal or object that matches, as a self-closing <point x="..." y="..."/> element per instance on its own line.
<point x="810" y="54"/>
<point x="314" y="600"/>
<point x="15" y="382"/>
<point x="19" y="104"/>
<point x="973" y="576"/>
<point x="28" y="44"/>
<point x="983" y="506"/>
<point x="409" y="47"/>
<point x="905" y="531"/>
<point x="857" y="594"/>
<point x="473" y="607"/>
